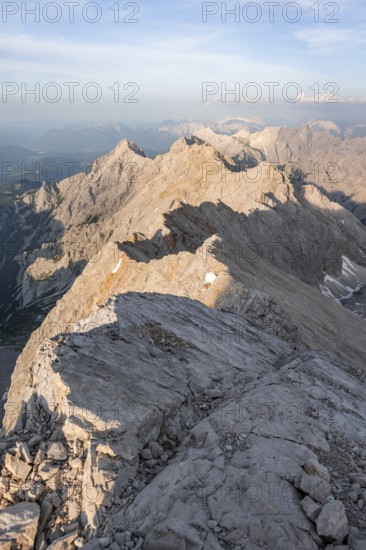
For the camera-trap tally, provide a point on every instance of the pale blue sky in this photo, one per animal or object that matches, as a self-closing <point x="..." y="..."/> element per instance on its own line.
<point x="171" y="51"/>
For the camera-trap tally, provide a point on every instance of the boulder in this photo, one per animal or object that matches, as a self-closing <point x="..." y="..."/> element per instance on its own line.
<point x="34" y="440"/>
<point x="57" y="451"/>
<point x="156" y="449"/>
<point x="319" y="489"/>
<point x="312" y="467"/>
<point x="18" y="526"/>
<point x="332" y="522"/>
<point x="311" y="508"/>
<point x="17" y="467"/>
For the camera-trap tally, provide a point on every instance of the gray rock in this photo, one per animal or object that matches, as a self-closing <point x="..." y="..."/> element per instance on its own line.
<point x="34" y="440"/>
<point x="46" y="511"/>
<point x="40" y="457"/>
<point x="57" y="451"/>
<point x="146" y="454"/>
<point x="18" y="526"/>
<point x="332" y="522"/>
<point x="156" y="449"/>
<point x="50" y="474"/>
<point x="41" y="542"/>
<point x="361" y="479"/>
<point x="17" y="467"/>
<point x="64" y="543"/>
<point x="104" y="541"/>
<point x="269" y="394"/>
<point x="213" y="394"/>
<point x="319" y="489"/>
<point x="312" y="467"/>
<point x="122" y="538"/>
<point x="166" y="541"/>
<point x="311" y="508"/>
<point x="54" y="499"/>
<point x="92" y="545"/>
<point x="357" y="488"/>
<point x="352" y="495"/>
<point x="72" y="527"/>
<point x="23" y="450"/>
<point x="356" y="539"/>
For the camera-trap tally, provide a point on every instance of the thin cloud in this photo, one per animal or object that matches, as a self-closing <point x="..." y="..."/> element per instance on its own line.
<point x="178" y="63"/>
<point x="325" y="40"/>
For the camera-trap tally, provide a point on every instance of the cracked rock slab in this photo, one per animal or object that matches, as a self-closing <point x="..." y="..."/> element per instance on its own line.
<point x="18" y="526"/>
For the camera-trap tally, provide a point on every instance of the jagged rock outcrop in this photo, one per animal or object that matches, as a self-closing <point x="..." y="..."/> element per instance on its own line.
<point x="235" y="147"/>
<point x="282" y="145"/>
<point x="340" y="174"/>
<point x="89" y="212"/>
<point x="53" y="233"/>
<point x="335" y="165"/>
<point x="46" y="197"/>
<point x="75" y="215"/>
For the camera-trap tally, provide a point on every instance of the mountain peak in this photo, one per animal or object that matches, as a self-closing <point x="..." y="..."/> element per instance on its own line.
<point x="185" y="142"/>
<point x="126" y="144"/>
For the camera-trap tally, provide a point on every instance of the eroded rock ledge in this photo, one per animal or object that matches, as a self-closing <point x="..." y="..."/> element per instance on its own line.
<point x="164" y="424"/>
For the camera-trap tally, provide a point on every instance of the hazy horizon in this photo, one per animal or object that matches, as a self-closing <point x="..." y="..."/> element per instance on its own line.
<point x="153" y="61"/>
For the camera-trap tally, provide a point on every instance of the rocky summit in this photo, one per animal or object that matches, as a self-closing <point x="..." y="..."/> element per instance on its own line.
<point x="196" y="380"/>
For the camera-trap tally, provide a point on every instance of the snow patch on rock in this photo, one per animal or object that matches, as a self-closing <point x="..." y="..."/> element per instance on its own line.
<point x="210" y="278"/>
<point x="348" y="283"/>
<point x="117" y="267"/>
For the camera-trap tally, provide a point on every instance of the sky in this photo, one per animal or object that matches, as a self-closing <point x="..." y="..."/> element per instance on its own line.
<point x="150" y="60"/>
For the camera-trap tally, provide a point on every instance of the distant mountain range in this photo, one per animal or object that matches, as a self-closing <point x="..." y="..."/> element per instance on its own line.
<point x="101" y="137"/>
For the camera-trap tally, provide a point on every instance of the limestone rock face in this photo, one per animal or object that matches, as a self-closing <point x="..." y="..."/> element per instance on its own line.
<point x="46" y="197"/>
<point x="335" y="165"/>
<point x="77" y="223"/>
<point x="174" y="428"/>
<point x="235" y="147"/>
<point x="18" y="526"/>
<point x="282" y="145"/>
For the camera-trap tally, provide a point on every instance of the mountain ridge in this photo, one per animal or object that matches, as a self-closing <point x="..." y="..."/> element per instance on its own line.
<point x="202" y="296"/>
